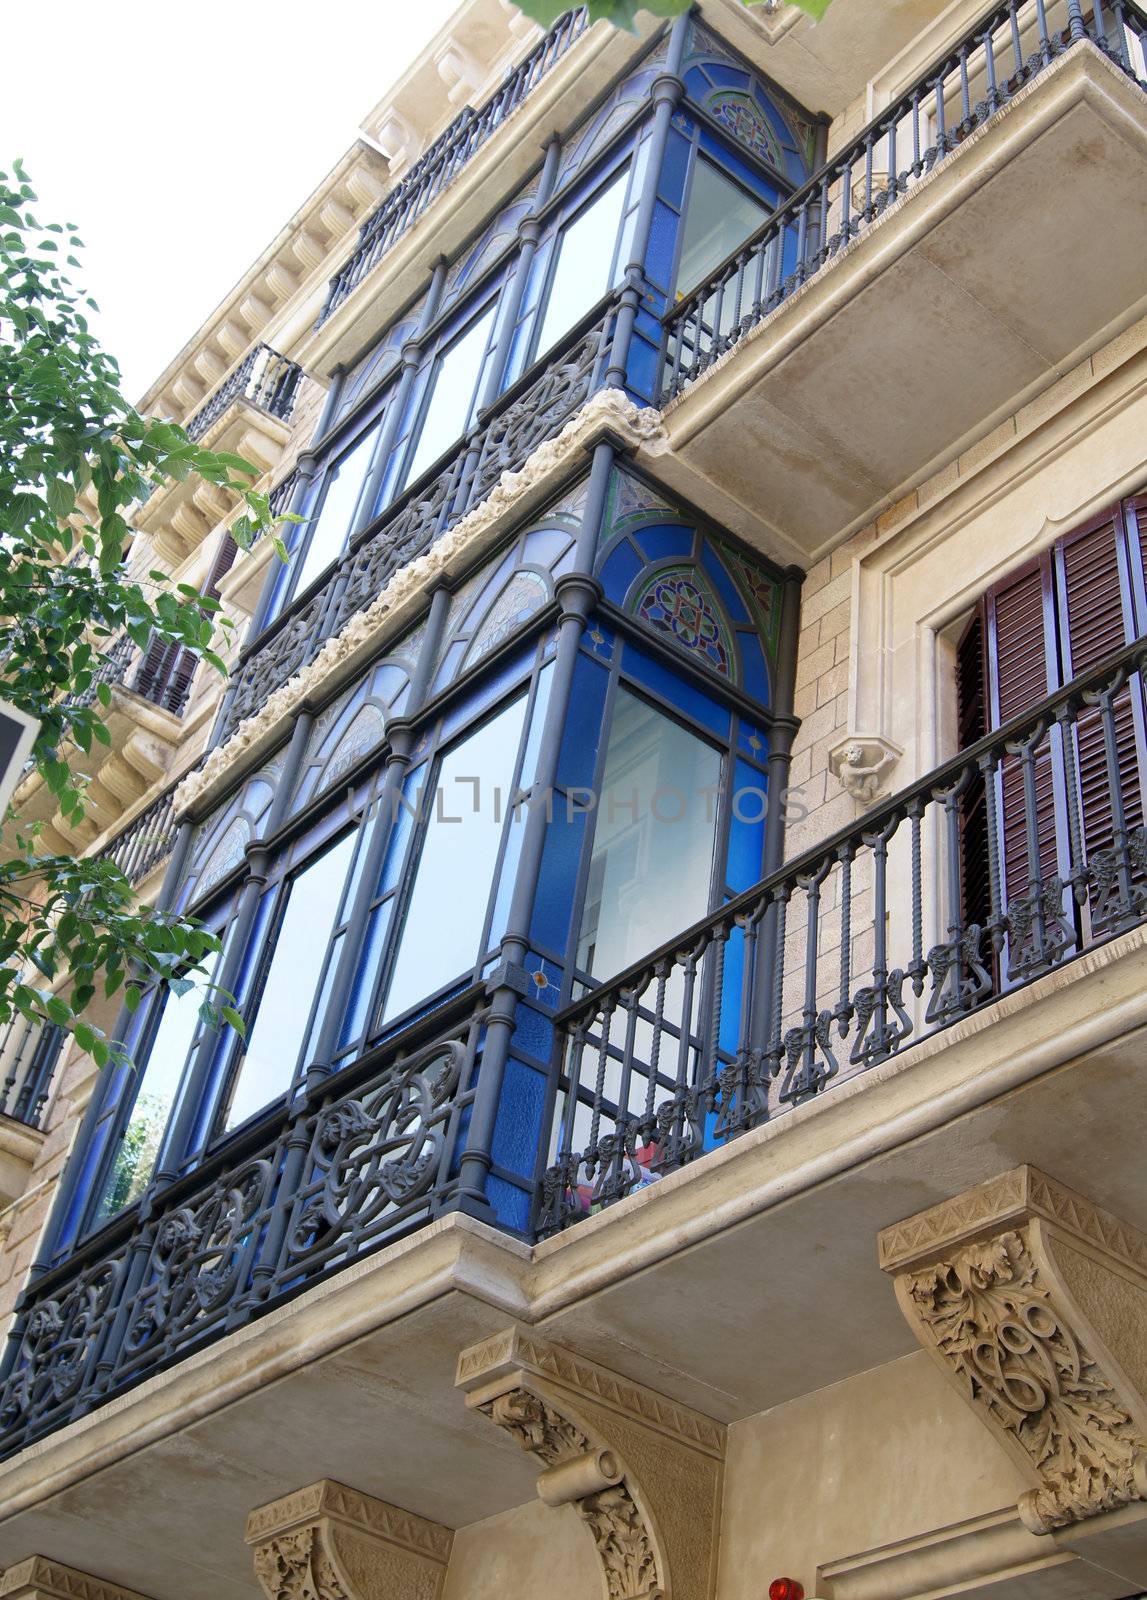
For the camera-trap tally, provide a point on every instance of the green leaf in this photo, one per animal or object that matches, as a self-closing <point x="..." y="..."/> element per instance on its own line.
<point x="61" y="498"/>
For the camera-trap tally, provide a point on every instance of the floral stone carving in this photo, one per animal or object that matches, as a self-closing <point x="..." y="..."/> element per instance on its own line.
<point x="593" y="1433"/>
<point x="329" y="1542"/>
<point x="1032" y="1301"/>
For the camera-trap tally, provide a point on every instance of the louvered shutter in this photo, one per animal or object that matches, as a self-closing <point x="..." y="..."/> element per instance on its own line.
<point x="221" y="566"/>
<point x="971" y="688"/>
<point x="1096" y="619"/>
<point x="1022" y="670"/>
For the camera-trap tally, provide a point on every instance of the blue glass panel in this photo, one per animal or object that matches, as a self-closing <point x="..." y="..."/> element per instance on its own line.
<point x="485" y="694"/>
<point x="405" y="812"/>
<point x="730" y="595"/>
<point x="746" y="827"/>
<point x="674" y="167"/>
<point x="665" y="539"/>
<point x="753" y="741"/>
<point x="533" y="1034"/>
<point x="550" y="924"/>
<point x="369" y="960"/>
<point x="729" y="1032"/>
<point x="508" y="878"/>
<point x="451" y="661"/>
<point x="642" y="368"/>
<point x="511" y="1204"/>
<point x="619" y="570"/>
<point x="545" y="979"/>
<point x="582" y="733"/>
<point x="734" y="163"/>
<point x="662" y="243"/>
<point x="388" y="680"/>
<point x="515" y="1142"/>
<point x="676" y="691"/>
<point x="754" y="669"/>
<point x="722" y="76"/>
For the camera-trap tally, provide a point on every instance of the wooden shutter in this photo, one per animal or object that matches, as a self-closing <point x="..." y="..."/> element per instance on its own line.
<point x="971" y="690"/>
<point x="221" y="566"/>
<point x="1022" y="671"/>
<point x="165" y="674"/>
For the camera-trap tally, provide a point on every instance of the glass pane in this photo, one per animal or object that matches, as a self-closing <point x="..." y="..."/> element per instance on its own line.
<point x="720" y="217"/>
<point x="273" y="1039"/>
<point x="329" y="534"/>
<point x="585" y="263"/>
<point x="447" y="911"/>
<point x="652" y="861"/>
<point x="453" y="384"/>
<point x="139" y="1145"/>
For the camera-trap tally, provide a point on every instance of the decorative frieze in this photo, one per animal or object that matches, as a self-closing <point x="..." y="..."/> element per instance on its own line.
<point x="643" y="1472"/>
<point x="330" y="1542"/>
<point x="38" y="1578"/>
<point x="1033" y="1302"/>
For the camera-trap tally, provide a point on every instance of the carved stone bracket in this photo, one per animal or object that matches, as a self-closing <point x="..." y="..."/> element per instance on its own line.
<point x="643" y="1472"/>
<point x="1033" y="1303"/>
<point x="41" y="1579"/>
<point x="863" y="763"/>
<point x="328" y="1542"/>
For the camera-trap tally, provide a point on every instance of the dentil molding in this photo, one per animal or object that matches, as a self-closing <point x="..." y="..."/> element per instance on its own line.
<point x="643" y="1472"/>
<point x="330" y="1542"/>
<point x="1033" y="1302"/>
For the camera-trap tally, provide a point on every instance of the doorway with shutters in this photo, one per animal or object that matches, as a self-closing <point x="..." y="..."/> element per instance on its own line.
<point x="1051" y="621"/>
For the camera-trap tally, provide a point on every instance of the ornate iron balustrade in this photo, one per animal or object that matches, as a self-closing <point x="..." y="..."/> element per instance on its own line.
<point x="29" y="1053"/>
<point x="534" y="410"/>
<point x="264" y="378"/>
<point x="859" y="947"/>
<point x="148" y="838"/>
<point x="353" y="1163"/>
<point x="1003" y="53"/>
<point x="440" y="164"/>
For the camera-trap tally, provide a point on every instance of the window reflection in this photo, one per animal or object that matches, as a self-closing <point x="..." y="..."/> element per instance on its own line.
<point x="274" y="1037"/>
<point x="654" y="836"/>
<point x="720" y="217"/>
<point x="330" y="529"/>
<point x="139" y="1143"/>
<point x="467" y="817"/>
<point x="454" y="391"/>
<point x="585" y="266"/>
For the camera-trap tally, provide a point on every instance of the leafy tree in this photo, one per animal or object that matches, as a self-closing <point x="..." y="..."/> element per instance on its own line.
<point x="74" y="457"/>
<point x="623" y="13"/>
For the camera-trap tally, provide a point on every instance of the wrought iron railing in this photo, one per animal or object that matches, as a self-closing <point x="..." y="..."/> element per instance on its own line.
<point x="264" y="378"/>
<point x="349" y="1166"/>
<point x="534" y="410"/>
<point x="148" y="838"/>
<point x="861" y="946"/>
<point x="29" y="1053"/>
<point x="439" y="165"/>
<point x="997" y="58"/>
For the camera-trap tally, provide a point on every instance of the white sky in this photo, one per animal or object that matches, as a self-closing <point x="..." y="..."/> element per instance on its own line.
<point x="181" y="137"/>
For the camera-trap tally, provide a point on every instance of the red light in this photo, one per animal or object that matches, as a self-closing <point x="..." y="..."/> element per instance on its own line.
<point x="786" y="1589"/>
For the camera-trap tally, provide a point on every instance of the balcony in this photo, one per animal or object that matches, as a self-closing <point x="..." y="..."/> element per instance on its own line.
<point x="29" y="1055"/>
<point x="921" y="286"/>
<point x="439" y="165"/>
<point x="150" y="689"/>
<point x="248" y="415"/>
<point x="855" y="959"/>
<point x="531" y="412"/>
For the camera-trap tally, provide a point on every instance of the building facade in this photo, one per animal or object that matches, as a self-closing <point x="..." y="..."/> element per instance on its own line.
<point x="675" y="826"/>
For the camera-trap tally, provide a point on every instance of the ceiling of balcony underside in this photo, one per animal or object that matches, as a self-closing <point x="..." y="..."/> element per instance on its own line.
<point x="1019" y="255"/>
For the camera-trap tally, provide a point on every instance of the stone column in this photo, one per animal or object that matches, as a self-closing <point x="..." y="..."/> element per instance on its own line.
<point x="328" y="1542"/>
<point x="1033" y="1303"/>
<point x="643" y="1472"/>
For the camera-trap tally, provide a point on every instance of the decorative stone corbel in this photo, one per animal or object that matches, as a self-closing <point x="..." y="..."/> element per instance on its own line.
<point x="41" y="1579"/>
<point x="1033" y="1302"/>
<point x="328" y="1542"/>
<point x="591" y="1433"/>
<point x="863" y="762"/>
